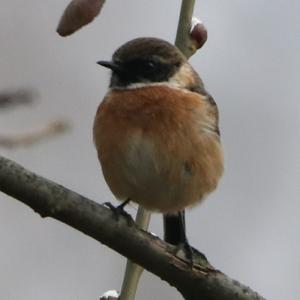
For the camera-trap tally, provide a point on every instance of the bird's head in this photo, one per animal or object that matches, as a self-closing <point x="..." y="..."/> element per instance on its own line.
<point x="145" y="61"/>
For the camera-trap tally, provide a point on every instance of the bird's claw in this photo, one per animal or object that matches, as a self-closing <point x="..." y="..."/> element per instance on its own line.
<point x="120" y="211"/>
<point x="188" y="252"/>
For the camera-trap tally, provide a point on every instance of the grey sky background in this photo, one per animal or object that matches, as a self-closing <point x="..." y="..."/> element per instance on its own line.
<point x="248" y="228"/>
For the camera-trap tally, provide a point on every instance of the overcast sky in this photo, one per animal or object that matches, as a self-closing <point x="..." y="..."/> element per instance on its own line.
<point x="248" y="228"/>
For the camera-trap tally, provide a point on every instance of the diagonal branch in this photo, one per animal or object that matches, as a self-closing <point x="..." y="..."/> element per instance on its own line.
<point x="53" y="200"/>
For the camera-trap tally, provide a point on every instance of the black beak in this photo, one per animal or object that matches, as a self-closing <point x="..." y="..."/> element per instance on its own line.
<point x="110" y="65"/>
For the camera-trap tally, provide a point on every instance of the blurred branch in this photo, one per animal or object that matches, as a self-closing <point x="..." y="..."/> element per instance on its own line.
<point x="53" y="200"/>
<point x="17" y="97"/>
<point x="29" y="138"/>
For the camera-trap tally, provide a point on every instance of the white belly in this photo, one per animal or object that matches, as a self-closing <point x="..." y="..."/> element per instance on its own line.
<point x="158" y="181"/>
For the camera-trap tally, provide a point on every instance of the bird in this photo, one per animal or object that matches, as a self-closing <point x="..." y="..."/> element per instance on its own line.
<point x="156" y="132"/>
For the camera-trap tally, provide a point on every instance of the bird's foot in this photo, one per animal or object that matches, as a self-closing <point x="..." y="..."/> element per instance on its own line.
<point x="188" y="252"/>
<point x="120" y="211"/>
<point x="194" y="257"/>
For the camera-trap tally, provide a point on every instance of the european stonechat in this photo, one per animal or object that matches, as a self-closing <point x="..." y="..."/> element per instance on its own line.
<point x="156" y="131"/>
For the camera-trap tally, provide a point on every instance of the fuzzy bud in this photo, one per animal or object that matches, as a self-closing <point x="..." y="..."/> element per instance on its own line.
<point x="77" y="14"/>
<point x="198" y="33"/>
<point x="110" y="295"/>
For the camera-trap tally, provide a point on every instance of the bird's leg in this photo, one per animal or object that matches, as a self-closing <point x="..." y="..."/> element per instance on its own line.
<point x="119" y="210"/>
<point x="184" y="243"/>
<point x="175" y="233"/>
<point x="174" y="228"/>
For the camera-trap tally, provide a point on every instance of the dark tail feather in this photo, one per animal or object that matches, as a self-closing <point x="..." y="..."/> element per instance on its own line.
<point x="174" y="228"/>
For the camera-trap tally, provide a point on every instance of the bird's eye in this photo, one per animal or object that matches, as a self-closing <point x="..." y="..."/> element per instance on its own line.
<point x="150" y="65"/>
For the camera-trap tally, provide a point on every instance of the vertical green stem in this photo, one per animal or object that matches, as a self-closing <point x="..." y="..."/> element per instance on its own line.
<point x="133" y="271"/>
<point x="183" y="41"/>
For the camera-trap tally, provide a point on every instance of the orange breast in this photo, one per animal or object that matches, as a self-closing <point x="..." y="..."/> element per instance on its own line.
<point x="157" y="146"/>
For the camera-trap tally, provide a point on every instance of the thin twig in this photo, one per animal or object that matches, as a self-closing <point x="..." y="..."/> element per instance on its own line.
<point x="133" y="271"/>
<point x="183" y="39"/>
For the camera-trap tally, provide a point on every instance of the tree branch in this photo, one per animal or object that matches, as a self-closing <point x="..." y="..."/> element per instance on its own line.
<point x="53" y="200"/>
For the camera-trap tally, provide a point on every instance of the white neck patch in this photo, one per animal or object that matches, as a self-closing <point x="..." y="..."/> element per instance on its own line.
<point x="140" y="85"/>
<point x="183" y="78"/>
